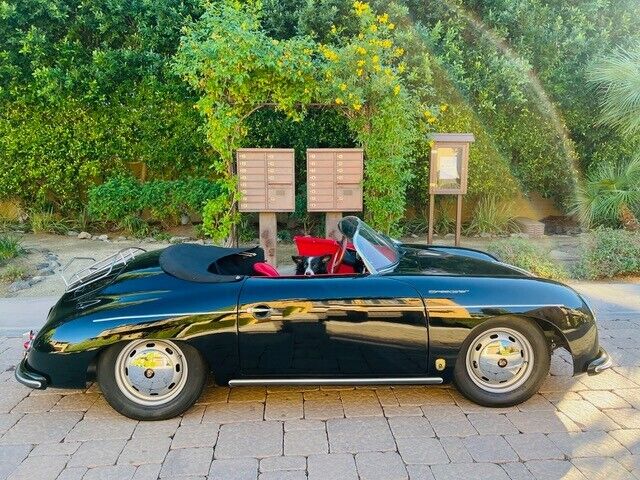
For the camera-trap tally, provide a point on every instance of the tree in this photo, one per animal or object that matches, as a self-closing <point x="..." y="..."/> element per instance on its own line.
<point x="618" y="80"/>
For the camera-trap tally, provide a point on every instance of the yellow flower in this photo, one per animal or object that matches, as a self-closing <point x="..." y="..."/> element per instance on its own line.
<point x="359" y="72"/>
<point x="388" y="72"/>
<point x="432" y="120"/>
<point x="361" y="51"/>
<point x="384" y="18"/>
<point x="396" y="90"/>
<point x="401" y="67"/>
<point x="343" y="86"/>
<point x="392" y="26"/>
<point x="373" y="27"/>
<point x="444" y="107"/>
<point x="386" y="43"/>
<point x="333" y="29"/>
<point x="377" y="67"/>
<point x="398" y="52"/>
<point x="339" y="101"/>
<point x="360" y="7"/>
<point x="357" y="106"/>
<point x="375" y="59"/>
<point x="361" y="63"/>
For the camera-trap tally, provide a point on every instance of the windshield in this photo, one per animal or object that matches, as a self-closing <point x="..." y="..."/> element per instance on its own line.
<point x="378" y="252"/>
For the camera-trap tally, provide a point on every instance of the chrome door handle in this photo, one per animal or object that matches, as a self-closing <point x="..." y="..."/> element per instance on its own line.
<point x="260" y="311"/>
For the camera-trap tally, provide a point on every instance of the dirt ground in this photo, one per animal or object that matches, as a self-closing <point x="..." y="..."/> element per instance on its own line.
<point x="46" y="248"/>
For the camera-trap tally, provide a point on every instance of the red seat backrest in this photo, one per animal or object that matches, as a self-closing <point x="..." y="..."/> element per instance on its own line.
<point x="265" y="270"/>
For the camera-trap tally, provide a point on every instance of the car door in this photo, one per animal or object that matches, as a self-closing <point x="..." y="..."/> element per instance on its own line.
<point x="331" y="326"/>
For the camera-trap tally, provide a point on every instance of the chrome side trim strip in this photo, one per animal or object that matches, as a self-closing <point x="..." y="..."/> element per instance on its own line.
<point x="154" y="315"/>
<point x="337" y="381"/>
<point x="449" y="307"/>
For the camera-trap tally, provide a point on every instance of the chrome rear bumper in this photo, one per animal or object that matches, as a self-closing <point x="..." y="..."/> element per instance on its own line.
<point x="600" y="363"/>
<point x="29" y="377"/>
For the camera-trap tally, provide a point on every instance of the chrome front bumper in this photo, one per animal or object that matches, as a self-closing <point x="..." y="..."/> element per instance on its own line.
<point x="26" y="376"/>
<point x="600" y="363"/>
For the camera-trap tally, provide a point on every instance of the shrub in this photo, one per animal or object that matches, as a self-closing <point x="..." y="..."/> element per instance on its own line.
<point x="492" y="215"/>
<point x="13" y="273"/>
<point x="527" y="255"/>
<point x="610" y="195"/>
<point x="607" y="253"/>
<point x="124" y="200"/>
<point x="10" y="247"/>
<point x="46" y="221"/>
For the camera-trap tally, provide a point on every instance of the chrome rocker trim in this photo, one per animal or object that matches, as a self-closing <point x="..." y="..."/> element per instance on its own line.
<point x="600" y="363"/>
<point x="28" y="377"/>
<point x="337" y="381"/>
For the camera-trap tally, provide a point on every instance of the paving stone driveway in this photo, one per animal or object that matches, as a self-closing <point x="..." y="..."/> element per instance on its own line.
<point x="576" y="428"/>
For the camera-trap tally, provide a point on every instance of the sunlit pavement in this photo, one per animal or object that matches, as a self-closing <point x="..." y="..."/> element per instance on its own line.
<point x="576" y="428"/>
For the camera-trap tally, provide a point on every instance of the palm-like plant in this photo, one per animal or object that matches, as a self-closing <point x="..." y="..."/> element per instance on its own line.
<point x="618" y="79"/>
<point x="610" y="195"/>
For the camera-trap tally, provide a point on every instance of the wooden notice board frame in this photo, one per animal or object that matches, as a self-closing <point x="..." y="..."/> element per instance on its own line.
<point x="459" y="142"/>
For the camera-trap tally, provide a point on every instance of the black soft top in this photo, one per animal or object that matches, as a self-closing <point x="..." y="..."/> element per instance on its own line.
<point x="209" y="264"/>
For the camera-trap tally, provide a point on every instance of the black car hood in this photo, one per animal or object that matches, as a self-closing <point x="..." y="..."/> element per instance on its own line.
<point x="416" y="260"/>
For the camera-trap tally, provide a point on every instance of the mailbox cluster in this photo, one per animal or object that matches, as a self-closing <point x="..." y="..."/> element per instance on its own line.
<point x="266" y="179"/>
<point x="334" y="180"/>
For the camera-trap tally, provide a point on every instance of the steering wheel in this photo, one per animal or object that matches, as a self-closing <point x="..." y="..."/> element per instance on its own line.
<point x="339" y="255"/>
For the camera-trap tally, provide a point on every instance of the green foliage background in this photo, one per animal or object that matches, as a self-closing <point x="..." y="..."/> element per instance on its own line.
<point x="88" y="86"/>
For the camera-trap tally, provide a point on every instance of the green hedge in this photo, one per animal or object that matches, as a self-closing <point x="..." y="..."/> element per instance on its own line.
<point x="163" y="200"/>
<point x="608" y="253"/>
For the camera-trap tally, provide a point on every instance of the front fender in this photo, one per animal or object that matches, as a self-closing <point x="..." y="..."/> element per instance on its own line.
<point x="141" y="304"/>
<point x="457" y="304"/>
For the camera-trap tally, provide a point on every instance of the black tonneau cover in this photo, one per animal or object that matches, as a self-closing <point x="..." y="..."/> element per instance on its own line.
<point x="209" y="264"/>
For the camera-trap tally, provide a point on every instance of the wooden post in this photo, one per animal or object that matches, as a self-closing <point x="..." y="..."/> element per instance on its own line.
<point x="268" y="236"/>
<point x="331" y="225"/>
<point x="431" y="207"/>
<point x="458" y="219"/>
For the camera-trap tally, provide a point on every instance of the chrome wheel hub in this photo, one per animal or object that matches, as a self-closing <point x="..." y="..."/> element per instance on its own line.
<point x="151" y="372"/>
<point x="500" y="360"/>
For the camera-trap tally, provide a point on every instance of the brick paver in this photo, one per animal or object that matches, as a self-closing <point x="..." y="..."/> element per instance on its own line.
<point x="576" y="428"/>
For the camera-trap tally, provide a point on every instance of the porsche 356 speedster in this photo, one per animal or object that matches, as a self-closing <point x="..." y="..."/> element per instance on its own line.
<point x="151" y="326"/>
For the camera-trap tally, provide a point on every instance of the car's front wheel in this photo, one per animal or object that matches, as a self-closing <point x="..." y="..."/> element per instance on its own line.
<point x="151" y="379"/>
<point x="502" y="362"/>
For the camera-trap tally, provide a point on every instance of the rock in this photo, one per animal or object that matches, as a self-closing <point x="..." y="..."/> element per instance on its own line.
<point x="199" y="242"/>
<point x="485" y="235"/>
<point x="413" y="235"/>
<point x="184" y="219"/>
<point x="149" y="240"/>
<point x="178" y="239"/>
<point x="103" y="238"/>
<point x="42" y="266"/>
<point x="449" y="235"/>
<point x="72" y="233"/>
<point x="84" y="236"/>
<point x="36" y="279"/>
<point x="121" y="239"/>
<point x="45" y="272"/>
<point x="19" y="285"/>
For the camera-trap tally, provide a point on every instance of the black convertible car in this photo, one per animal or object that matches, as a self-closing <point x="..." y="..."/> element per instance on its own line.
<point x="151" y="326"/>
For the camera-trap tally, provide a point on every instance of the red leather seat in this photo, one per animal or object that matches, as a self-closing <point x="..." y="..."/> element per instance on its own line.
<point x="263" y="269"/>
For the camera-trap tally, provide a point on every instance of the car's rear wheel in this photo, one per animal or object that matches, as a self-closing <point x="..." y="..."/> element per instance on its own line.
<point x="151" y="379"/>
<point x="502" y="362"/>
